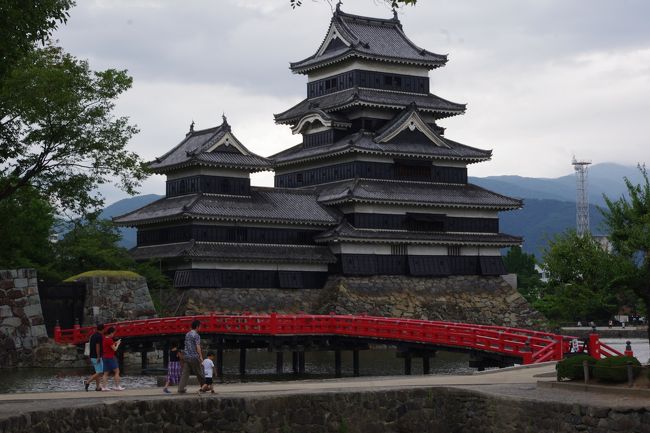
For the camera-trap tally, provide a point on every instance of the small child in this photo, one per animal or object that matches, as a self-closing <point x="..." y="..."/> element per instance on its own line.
<point x="173" y="367"/>
<point x="208" y="369"/>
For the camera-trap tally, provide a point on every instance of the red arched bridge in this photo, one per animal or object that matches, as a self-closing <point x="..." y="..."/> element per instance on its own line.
<point x="488" y="345"/>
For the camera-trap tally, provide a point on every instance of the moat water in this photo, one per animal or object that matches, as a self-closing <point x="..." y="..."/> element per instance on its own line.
<point x="261" y="368"/>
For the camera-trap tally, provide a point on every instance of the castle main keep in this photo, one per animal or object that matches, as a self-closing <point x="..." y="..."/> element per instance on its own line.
<point x="374" y="188"/>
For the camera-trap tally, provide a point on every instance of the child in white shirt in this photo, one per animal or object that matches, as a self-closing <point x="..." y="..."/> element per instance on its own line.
<point x="208" y="371"/>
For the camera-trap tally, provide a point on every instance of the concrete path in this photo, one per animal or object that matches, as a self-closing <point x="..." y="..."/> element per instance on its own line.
<point x="517" y="382"/>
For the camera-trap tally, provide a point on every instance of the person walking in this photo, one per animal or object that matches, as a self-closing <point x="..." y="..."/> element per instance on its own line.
<point x="192" y="358"/>
<point x="208" y="369"/>
<point x="173" y="367"/>
<point x="95" y="344"/>
<point x="109" y="347"/>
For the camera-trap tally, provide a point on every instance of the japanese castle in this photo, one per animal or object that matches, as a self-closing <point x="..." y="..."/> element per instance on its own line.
<point x="374" y="188"/>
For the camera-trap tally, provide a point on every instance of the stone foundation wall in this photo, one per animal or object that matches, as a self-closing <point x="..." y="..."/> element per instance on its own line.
<point x="472" y="299"/>
<point x="110" y="299"/>
<point x="433" y="410"/>
<point x="22" y="327"/>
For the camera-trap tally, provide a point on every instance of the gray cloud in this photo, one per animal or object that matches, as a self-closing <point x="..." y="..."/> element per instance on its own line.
<point x="543" y="79"/>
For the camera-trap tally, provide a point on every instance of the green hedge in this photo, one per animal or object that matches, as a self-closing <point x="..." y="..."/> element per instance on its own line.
<point x="571" y="367"/>
<point x="614" y="368"/>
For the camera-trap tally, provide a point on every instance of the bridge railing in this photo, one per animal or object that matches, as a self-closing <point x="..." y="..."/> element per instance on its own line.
<point x="530" y="346"/>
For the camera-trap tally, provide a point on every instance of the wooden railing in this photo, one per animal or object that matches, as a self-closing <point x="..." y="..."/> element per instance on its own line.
<point x="528" y="345"/>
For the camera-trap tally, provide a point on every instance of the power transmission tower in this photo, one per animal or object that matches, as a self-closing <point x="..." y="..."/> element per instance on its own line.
<point x="582" y="200"/>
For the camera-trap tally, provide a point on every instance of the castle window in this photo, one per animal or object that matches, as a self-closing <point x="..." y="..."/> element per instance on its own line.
<point x="398" y="250"/>
<point x="453" y="250"/>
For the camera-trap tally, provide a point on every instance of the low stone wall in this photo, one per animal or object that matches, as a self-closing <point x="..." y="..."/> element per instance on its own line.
<point x="472" y="299"/>
<point x="433" y="410"/>
<point x="22" y="327"/>
<point x="110" y="299"/>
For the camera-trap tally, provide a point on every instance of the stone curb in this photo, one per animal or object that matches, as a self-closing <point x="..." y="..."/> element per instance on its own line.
<point x="601" y="389"/>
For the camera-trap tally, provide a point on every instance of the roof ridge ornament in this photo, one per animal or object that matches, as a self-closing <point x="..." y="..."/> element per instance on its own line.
<point x="224" y="124"/>
<point x="338" y="6"/>
<point x="191" y="128"/>
<point x="395" y="18"/>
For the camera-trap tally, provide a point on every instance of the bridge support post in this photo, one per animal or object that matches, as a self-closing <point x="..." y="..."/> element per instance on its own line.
<point x="407" y="363"/>
<point x="355" y="362"/>
<point x="144" y="360"/>
<point x="279" y="362"/>
<point x="220" y="363"/>
<point x="166" y="354"/>
<point x="337" y="363"/>
<point x="301" y="362"/>
<point x="120" y="361"/>
<point x="426" y="364"/>
<point x="242" y="361"/>
<point x="294" y="362"/>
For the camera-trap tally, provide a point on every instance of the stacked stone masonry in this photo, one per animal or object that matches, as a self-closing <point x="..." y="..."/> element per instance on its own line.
<point x="22" y="327"/>
<point x="471" y="299"/>
<point x="433" y="410"/>
<point x="110" y="299"/>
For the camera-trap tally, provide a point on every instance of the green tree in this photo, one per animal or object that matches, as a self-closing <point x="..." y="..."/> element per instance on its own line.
<point x="529" y="280"/>
<point x="24" y="23"/>
<point x="25" y="228"/>
<point x="583" y="279"/>
<point x="58" y="131"/>
<point x="92" y="244"/>
<point x="628" y="219"/>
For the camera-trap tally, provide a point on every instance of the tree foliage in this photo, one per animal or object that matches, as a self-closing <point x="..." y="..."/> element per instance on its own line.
<point x="528" y="279"/>
<point x="628" y="219"/>
<point x="583" y="279"/>
<point x="58" y="133"/>
<point x="26" y="223"/>
<point x="24" y="23"/>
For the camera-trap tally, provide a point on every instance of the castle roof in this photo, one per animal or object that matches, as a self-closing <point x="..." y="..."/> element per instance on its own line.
<point x="270" y="205"/>
<point x="414" y="193"/>
<point x="215" y="147"/>
<point x="353" y="36"/>
<point x="365" y="143"/>
<point x="236" y="252"/>
<point x="365" y="97"/>
<point x="346" y="232"/>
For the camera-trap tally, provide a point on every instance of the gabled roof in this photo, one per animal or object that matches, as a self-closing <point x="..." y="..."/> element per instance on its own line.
<point x="364" y="143"/>
<point x="236" y="252"/>
<point x="215" y="147"/>
<point x="346" y="232"/>
<point x="414" y="193"/>
<point x="408" y="120"/>
<point x="361" y="96"/>
<point x="271" y="205"/>
<point x="354" y="36"/>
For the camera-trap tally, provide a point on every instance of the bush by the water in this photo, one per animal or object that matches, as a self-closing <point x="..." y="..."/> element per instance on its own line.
<point x="571" y="368"/>
<point x="614" y="368"/>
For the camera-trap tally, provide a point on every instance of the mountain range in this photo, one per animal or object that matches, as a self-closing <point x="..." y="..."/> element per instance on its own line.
<point x="549" y="203"/>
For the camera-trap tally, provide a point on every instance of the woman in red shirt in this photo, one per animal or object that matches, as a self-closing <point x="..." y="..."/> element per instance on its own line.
<point x="108" y="359"/>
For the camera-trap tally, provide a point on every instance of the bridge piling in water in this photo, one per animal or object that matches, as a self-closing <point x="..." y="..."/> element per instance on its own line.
<point x="407" y="363"/>
<point x="242" y="361"/>
<point x="337" y="363"/>
<point x="355" y="362"/>
<point x="220" y="362"/>
<point x="279" y="362"/>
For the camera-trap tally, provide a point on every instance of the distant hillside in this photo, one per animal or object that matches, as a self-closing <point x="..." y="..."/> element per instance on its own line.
<point x="127" y="205"/>
<point x="602" y="179"/>
<point x="540" y="220"/>
<point x="549" y="204"/>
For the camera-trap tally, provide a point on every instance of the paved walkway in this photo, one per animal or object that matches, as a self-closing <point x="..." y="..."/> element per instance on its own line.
<point x="518" y="382"/>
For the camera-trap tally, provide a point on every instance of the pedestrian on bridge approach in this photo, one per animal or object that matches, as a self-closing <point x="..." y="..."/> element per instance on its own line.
<point x="192" y="358"/>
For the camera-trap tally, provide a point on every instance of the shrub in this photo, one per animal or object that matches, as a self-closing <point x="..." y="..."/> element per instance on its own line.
<point x="571" y="368"/>
<point x="614" y="369"/>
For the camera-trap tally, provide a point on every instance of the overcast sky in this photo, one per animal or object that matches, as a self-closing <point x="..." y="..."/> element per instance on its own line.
<point x="543" y="79"/>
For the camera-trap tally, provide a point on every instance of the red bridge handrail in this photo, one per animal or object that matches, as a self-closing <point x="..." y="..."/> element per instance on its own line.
<point x="531" y="346"/>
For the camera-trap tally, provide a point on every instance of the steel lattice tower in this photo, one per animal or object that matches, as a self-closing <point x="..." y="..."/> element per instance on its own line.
<point x="582" y="200"/>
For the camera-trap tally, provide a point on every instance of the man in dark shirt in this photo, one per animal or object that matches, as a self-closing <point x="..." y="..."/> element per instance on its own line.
<point x="193" y="357"/>
<point x="95" y="343"/>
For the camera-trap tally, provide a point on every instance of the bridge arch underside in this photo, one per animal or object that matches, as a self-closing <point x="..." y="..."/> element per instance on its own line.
<point x="298" y="345"/>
